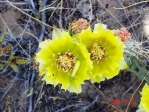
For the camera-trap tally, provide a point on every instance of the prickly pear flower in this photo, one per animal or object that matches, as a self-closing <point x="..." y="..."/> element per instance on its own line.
<point x="144" y="104"/>
<point x="106" y="52"/>
<point x="122" y="33"/>
<point x="64" y="62"/>
<point x="79" y="25"/>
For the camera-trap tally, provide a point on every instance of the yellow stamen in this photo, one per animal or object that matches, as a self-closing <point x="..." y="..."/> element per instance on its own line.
<point x="66" y="61"/>
<point x="97" y="52"/>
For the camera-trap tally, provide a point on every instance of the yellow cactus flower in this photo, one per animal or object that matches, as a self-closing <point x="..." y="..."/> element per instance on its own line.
<point x="64" y="62"/>
<point x="144" y="104"/>
<point x="106" y="52"/>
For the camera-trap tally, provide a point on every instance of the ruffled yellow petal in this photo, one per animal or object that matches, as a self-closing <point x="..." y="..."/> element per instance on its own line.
<point x="144" y="104"/>
<point x="44" y="44"/>
<point x="123" y="65"/>
<point x="57" y="33"/>
<point x="74" y="87"/>
<point x="112" y="73"/>
<point x="100" y="27"/>
<point x="96" y="78"/>
<point x="49" y="79"/>
<point x="64" y="80"/>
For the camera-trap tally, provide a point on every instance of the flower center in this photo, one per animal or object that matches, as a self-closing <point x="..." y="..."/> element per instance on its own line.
<point x="97" y="52"/>
<point x="66" y="61"/>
